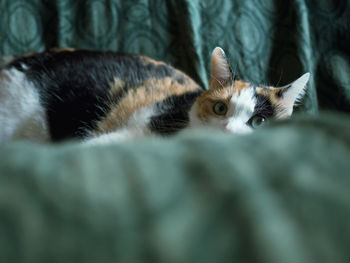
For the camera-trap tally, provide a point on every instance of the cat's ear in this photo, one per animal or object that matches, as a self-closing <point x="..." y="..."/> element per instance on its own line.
<point x="292" y="93"/>
<point x="221" y="73"/>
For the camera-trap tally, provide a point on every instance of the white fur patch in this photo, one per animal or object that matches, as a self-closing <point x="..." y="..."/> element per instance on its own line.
<point x="21" y="114"/>
<point x="240" y="111"/>
<point x="111" y="137"/>
<point x="136" y="127"/>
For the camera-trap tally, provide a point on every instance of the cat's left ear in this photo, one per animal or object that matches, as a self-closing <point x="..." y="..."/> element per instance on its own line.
<point x="292" y="93"/>
<point x="221" y="73"/>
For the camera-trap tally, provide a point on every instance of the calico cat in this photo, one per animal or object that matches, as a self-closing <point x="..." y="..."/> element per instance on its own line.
<point x="100" y="97"/>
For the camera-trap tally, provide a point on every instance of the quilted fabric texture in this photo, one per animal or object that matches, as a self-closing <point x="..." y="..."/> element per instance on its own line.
<point x="201" y="197"/>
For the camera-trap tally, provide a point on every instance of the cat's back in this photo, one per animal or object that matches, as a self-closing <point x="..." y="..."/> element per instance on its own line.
<point x="79" y="92"/>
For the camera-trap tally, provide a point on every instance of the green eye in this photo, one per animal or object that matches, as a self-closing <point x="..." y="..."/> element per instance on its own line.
<point x="220" y="108"/>
<point x="257" y="121"/>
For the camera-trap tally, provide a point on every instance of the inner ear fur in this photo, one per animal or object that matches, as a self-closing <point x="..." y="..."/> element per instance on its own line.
<point x="221" y="73"/>
<point x="290" y="94"/>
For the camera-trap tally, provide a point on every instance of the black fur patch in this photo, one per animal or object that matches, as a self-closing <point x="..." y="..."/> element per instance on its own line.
<point x="263" y="107"/>
<point x="74" y="86"/>
<point x="172" y="113"/>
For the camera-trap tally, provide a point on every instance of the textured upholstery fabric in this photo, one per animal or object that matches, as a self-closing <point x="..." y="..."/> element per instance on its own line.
<point x="267" y="41"/>
<point x="198" y="197"/>
<point x="278" y="195"/>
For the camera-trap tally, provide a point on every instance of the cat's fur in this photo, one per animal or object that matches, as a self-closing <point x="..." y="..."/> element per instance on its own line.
<point x="107" y="96"/>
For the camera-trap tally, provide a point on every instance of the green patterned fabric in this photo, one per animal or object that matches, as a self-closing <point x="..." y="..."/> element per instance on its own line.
<point x="278" y="195"/>
<point x="267" y="41"/>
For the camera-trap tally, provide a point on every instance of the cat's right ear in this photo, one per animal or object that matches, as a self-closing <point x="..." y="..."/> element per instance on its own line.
<point x="221" y="73"/>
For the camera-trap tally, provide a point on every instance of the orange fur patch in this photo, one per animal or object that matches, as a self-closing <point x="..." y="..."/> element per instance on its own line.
<point x="4" y="61"/>
<point x="61" y="49"/>
<point x="116" y="86"/>
<point x="148" y="60"/>
<point x="149" y="93"/>
<point x="239" y="85"/>
<point x="30" y="53"/>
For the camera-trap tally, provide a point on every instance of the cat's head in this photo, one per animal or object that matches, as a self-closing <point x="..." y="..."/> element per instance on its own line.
<point x="239" y="107"/>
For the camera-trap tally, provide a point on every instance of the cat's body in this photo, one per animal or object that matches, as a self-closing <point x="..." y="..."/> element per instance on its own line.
<point x="108" y="96"/>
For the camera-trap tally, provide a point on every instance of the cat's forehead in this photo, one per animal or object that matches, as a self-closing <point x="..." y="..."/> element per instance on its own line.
<point x="229" y="90"/>
<point x="243" y="94"/>
<point x="268" y="92"/>
<point x="246" y="96"/>
<point x="272" y="94"/>
<point x="239" y="85"/>
<point x="243" y="97"/>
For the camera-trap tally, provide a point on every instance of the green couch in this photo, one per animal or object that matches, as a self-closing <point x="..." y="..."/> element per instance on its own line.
<point x="278" y="195"/>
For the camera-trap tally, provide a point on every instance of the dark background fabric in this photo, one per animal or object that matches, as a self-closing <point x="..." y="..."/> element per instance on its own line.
<point x="270" y="41"/>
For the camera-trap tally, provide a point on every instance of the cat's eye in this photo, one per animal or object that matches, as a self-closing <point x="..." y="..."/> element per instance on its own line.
<point x="220" y="108"/>
<point x="256" y="121"/>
